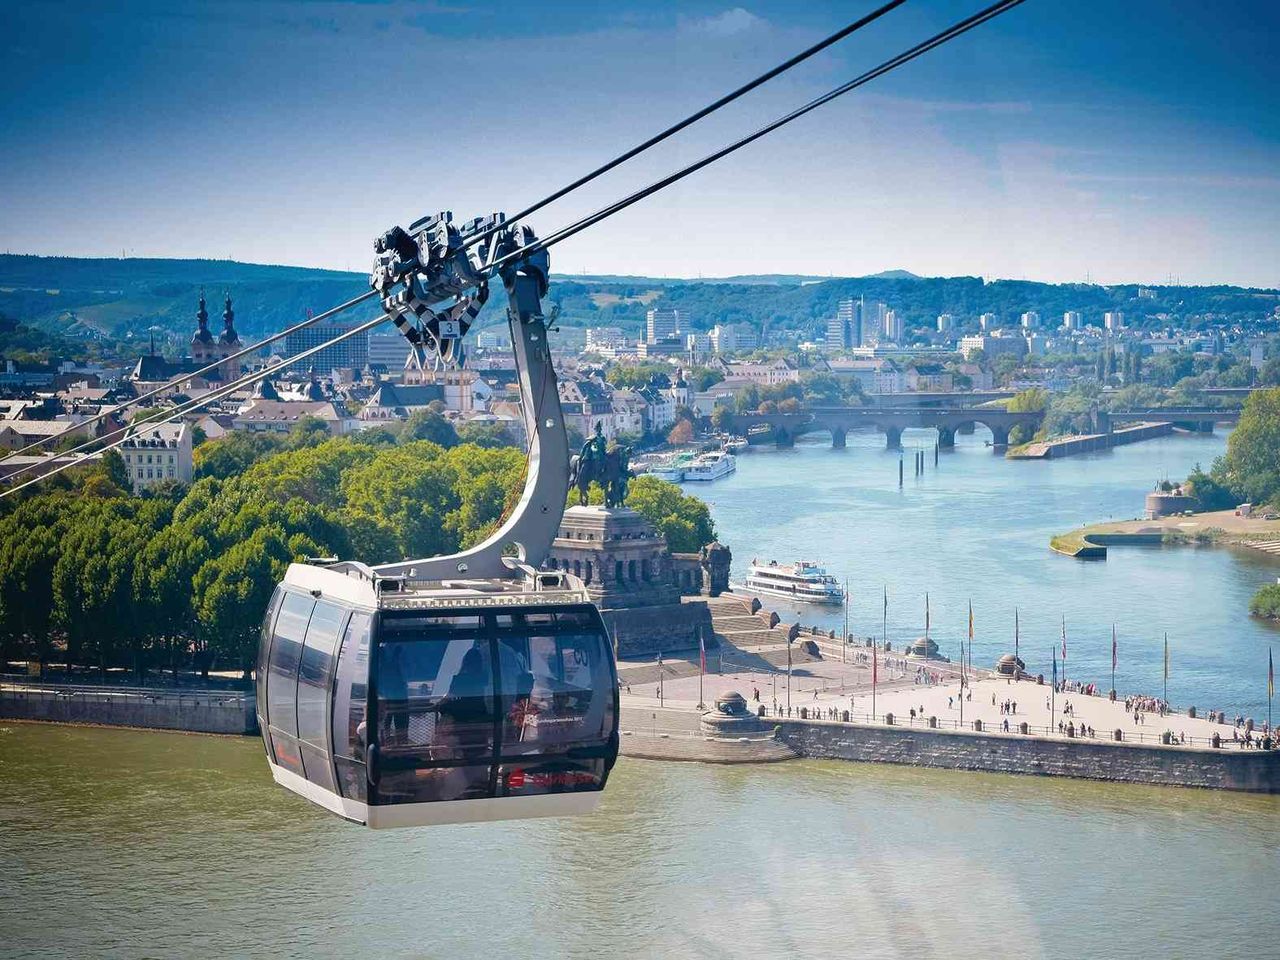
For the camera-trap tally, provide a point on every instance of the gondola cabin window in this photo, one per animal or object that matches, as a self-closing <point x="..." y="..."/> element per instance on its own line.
<point x="282" y="679"/>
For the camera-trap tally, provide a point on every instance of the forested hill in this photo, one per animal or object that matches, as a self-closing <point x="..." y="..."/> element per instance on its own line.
<point x="123" y="298"/>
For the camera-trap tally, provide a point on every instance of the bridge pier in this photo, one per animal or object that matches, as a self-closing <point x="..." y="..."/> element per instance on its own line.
<point x="946" y="437"/>
<point x="999" y="437"/>
<point x="839" y="439"/>
<point x="893" y="438"/>
<point x="783" y="439"/>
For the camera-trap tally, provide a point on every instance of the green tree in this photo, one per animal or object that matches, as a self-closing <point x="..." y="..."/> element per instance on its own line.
<point x="231" y="455"/>
<point x="232" y="590"/>
<point x="1251" y="466"/>
<point x="684" y="520"/>
<point x="429" y="425"/>
<point x="1031" y="400"/>
<point x="722" y="419"/>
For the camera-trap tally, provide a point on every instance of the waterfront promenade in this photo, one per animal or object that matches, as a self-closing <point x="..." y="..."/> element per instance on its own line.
<point x="826" y="685"/>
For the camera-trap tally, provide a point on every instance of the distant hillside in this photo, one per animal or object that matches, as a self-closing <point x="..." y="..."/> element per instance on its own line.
<point x="123" y="298"/>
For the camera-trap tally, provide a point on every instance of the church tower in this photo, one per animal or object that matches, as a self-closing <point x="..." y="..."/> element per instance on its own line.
<point x="202" y="343"/>
<point x="229" y="343"/>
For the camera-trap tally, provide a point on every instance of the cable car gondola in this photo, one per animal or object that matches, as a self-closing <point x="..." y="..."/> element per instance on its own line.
<point x="453" y="689"/>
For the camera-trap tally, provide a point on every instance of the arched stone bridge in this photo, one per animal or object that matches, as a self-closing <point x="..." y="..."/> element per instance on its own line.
<point x="838" y="421"/>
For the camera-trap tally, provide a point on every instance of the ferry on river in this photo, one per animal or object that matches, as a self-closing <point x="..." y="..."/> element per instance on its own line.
<point x="710" y="466"/>
<point x="803" y="581"/>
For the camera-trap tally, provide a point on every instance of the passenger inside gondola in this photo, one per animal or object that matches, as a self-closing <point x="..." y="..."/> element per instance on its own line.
<point x="436" y="713"/>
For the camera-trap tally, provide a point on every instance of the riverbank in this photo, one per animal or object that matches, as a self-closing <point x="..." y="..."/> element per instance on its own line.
<point x="1088" y="443"/>
<point x="1218" y="527"/>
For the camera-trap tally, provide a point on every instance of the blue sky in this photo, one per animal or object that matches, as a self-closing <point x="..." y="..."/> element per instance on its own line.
<point x="1122" y="140"/>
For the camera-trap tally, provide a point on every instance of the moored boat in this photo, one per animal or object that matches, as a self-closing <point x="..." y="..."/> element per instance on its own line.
<point x="803" y="581"/>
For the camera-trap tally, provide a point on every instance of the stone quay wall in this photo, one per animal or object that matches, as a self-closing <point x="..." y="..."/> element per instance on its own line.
<point x="1255" y="771"/>
<point x="160" y="709"/>
<point x="646" y="631"/>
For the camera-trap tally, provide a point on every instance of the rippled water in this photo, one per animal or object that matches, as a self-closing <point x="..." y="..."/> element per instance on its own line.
<point x="126" y="844"/>
<point x="978" y="527"/>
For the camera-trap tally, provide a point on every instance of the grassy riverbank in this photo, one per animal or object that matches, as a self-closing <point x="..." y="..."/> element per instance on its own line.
<point x="1214" y="527"/>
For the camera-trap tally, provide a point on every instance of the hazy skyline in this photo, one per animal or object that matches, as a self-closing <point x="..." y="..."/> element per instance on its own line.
<point x="1125" y="142"/>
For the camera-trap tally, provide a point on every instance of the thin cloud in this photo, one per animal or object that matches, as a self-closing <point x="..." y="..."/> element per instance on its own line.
<point x="727" y="23"/>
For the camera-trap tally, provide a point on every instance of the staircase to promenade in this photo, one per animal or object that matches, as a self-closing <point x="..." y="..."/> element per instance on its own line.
<point x="746" y="641"/>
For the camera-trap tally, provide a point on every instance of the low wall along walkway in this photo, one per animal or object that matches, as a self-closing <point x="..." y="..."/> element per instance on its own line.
<point x="161" y="708"/>
<point x="1222" y="769"/>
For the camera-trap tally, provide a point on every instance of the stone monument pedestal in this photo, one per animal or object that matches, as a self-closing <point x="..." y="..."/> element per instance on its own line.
<point x="620" y="556"/>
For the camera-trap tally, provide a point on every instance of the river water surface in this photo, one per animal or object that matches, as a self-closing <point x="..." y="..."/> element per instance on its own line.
<point x="977" y="527"/>
<point x="117" y="843"/>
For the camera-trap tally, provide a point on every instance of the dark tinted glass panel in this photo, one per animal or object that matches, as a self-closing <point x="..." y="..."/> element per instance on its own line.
<point x="556" y="775"/>
<point x="428" y="784"/>
<point x="351" y="779"/>
<point x="351" y="691"/>
<point x="286" y="652"/>
<point x="264" y="651"/>
<point x="315" y="677"/>
<point x="557" y="692"/>
<point x="435" y="699"/>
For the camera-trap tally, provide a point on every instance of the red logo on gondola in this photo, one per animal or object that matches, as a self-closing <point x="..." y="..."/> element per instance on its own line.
<point x="515" y="779"/>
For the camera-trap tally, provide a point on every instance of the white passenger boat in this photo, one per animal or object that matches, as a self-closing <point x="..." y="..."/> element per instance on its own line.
<point x="710" y="466"/>
<point x="735" y="444"/>
<point x="803" y="581"/>
<point x="672" y="468"/>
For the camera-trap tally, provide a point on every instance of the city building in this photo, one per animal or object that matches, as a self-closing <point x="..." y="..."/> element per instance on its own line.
<point x="988" y="322"/>
<point x="601" y="339"/>
<point x="661" y="323"/>
<point x="993" y="346"/>
<point x="946" y="322"/>
<point x="1072" y="320"/>
<point x="157" y="452"/>
<point x="207" y="349"/>
<point x="873" y="376"/>
<point x="1113" y="320"/>
<point x="586" y="401"/>
<point x="672" y="346"/>
<point x="397" y="401"/>
<point x="1030" y="320"/>
<point x="389" y="350"/>
<point x="762" y="374"/>
<point x="698" y="346"/>
<point x="264" y="415"/>
<point x="850" y="312"/>
<point x="930" y="378"/>
<point x="892" y="327"/>
<point x="733" y="338"/>
<point x="352" y="352"/>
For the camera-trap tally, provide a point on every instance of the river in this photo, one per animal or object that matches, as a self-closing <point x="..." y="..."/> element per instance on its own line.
<point x="977" y="527"/>
<point x="119" y="843"/>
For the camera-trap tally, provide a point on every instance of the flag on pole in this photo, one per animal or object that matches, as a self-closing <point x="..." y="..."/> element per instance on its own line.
<point x="926" y="613"/>
<point x="1271" y="675"/>
<point x="971" y="621"/>
<point x="1055" y="668"/>
<point x="875" y="666"/>
<point x="1064" y="641"/>
<point x="886" y="600"/>
<point x="1113" y="646"/>
<point x="1166" y="658"/>
<point x="702" y="651"/>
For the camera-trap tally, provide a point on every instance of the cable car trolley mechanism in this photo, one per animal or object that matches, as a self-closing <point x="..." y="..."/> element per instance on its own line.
<point x="451" y="689"/>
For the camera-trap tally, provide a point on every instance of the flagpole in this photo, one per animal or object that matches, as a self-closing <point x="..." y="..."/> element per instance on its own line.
<point x="1053" y="691"/>
<point x="1113" y="659"/>
<point x="884" y="639"/>
<point x="1166" y="673"/>
<point x="702" y="662"/>
<point x="1064" y="653"/>
<point x="1271" y="690"/>
<point x="844" y="647"/>
<point x="1015" y="636"/>
<point x="961" y="684"/>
